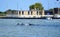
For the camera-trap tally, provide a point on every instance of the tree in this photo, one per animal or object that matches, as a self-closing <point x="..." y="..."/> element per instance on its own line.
<point x="31" y="7"/>
<point x="36" y="6"/>
<point x="2" y="13"/>
<point x="51" y="9"/>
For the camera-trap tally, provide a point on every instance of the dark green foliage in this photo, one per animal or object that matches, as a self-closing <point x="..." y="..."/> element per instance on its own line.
<point x="36" y="6"/>
<point x="2" y="13"/>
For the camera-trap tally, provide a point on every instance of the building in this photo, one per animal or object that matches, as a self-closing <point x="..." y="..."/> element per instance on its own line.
<point x="48" y="13"/>
<point x="25" y="13"/>
<point x="31" y="13"/>
<point x="11" y="13"/>
<point x="57" y="12"/>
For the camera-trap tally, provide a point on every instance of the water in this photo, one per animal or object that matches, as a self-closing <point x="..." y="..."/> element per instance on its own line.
<point x="42" y="28"/>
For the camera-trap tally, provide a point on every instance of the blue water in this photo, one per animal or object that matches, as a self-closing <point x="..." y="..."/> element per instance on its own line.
<point x="42" y="28"/>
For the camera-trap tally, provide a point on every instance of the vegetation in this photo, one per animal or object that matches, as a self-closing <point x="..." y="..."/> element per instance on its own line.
<point x="2" y="13"/>
<point x="51" y="9"/>
<point x="36" y="6"/>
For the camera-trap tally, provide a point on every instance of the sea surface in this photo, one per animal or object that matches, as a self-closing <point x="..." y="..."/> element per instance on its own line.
<point x="41" y="28"/>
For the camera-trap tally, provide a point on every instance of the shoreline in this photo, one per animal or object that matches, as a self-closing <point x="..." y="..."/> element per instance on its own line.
<point x="26" y="18"/>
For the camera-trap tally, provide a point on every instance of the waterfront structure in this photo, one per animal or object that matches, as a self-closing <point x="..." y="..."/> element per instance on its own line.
<point x="26" y="13"/>
<point x="33" y="13"/>
<point x="11" y="13"/>
<point x="57" y="12"/>
<point x="48" y="13"/>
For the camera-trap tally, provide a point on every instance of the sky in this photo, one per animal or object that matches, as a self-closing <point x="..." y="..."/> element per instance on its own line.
<point x="24" y="4"/>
